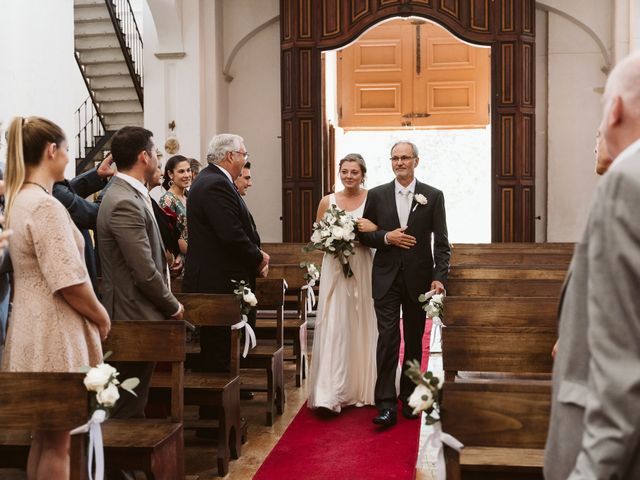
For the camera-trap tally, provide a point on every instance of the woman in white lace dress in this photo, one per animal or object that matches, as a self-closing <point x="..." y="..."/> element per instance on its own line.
<point x="343" y="363"/>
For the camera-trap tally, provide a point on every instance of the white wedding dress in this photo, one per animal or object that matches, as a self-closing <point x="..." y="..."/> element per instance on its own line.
<point x="343" y="363"/>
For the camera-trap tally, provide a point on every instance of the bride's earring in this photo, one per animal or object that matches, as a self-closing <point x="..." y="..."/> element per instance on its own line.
<point x="170" y="182"/>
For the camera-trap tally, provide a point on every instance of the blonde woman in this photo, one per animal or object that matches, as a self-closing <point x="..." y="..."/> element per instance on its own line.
<point x="57" y="322"/>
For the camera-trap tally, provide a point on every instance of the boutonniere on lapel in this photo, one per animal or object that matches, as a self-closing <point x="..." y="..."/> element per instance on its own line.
<point x="420" y="200"/>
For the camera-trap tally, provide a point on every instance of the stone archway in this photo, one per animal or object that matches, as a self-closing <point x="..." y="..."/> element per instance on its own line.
<point x="310" y="26"/>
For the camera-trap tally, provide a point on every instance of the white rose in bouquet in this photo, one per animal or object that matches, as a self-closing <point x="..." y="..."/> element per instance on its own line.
<point x="316" y="237"/>
<point x="337" y="232"/>
<point x="109" y="396"/>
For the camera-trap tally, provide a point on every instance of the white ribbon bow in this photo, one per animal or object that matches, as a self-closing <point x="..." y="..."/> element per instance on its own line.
<point x="437" y="439"/>
<point x="311" y="296"/>
<point x="437" y="331"/>
<point x="250" y="336"/>
<point x="95" y="442"/>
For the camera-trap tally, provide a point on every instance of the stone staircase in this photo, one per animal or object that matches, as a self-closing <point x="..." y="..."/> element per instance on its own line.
<point x="104" y="33"/>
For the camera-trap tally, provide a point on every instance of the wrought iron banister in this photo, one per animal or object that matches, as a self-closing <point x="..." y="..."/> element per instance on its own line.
<point x="126" y="27"/>
<point x="91" y="136"/>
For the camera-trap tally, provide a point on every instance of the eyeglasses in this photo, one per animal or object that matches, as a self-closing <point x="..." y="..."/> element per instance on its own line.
<point x="403" y="159"/>
<point x="244" y="154"/>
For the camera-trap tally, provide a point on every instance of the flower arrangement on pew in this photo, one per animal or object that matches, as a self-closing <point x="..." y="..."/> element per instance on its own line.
<point x="248" y="302"/>
<point x="312" y="275"/>
<point x="335" y="233"/>
<point x="102" y="379"/>
<point x="427" y="397"/>
<point x="433" y="304"/>
<point x="427" y="394"/>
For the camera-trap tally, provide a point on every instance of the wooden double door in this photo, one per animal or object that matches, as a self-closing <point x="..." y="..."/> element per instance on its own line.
<point x="506" y="26"/>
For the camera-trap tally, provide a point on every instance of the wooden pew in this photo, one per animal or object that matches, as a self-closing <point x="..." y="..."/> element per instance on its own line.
<point x="270" y="356"/>
<point x="507" y="272"/>
<point x="42" y="401"/>
<point x="291" y="254"/>
<point x="221" y="391"/>
<point x="154" y="446"/>
<point x="295" y="315"/>
<point x="503" y="350"/>
<point x="504" y="288"/>
<point x="503" y="427"/>
<point x="500" y="311"/>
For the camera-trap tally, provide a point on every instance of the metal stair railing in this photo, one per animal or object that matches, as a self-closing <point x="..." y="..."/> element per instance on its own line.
<point x="91" y="136"/>
<point x="128" y="34"/>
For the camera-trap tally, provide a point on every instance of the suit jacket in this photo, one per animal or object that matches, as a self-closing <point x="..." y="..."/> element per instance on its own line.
<point x="132" y="256"/>
<point x="223" y="242"/>
<point x="594" y="430"/>
<point x="72" y="194"/>
<point x="420" y="266"/>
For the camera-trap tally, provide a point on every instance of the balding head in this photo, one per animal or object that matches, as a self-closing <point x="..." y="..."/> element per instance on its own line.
<point x="621" y="105"/>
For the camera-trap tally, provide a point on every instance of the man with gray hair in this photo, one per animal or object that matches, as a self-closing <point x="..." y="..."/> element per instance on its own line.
<point x="594" y="429"/>
<point x="223" y="242"/>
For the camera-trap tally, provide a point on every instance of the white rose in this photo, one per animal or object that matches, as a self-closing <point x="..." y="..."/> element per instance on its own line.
<point x="421" y="399"/>
<point x="250" y="298"/>
<point x="316" y="237"/>
<point x="337" y="232"/>
<point x="109" y="396"/>
<point x="438" y="298"/>
<point x="325" y="232"/>
<point x="350" y="236"/>
<point x="421" y="199"/>
<point x="98" y="376"/>
<point x="331" y="220"/>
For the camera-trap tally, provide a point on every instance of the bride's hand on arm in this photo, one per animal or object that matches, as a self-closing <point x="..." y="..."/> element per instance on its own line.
<point x="365" y="225"/>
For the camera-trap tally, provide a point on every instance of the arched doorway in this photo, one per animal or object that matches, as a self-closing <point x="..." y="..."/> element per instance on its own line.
<point x="507" y="26"/>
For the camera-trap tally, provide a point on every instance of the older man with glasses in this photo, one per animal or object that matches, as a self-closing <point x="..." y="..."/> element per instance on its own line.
<point x="223" y="242"/>
<point x="409" y="214"/>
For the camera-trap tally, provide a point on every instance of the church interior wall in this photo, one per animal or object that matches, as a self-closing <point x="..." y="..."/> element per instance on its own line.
<point x="188" y="85"/>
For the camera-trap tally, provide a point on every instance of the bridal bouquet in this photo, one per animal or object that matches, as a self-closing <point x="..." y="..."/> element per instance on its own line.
<point x="426" y="396"/>
<point x="335" y="233"/>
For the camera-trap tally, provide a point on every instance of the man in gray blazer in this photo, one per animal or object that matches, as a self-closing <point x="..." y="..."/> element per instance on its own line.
<point x="594" y="430"/>
<point x="131" y="252"/>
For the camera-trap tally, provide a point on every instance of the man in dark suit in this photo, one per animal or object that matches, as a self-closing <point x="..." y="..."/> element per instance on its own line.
<point x="409" y="214"/>
<point x="132" y="254"/>
<point x="84" y="213"/>
<point x="223" y="242"/>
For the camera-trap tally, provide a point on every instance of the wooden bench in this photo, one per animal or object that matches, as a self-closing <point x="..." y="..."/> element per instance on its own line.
<point x="220" y="391"/>
<point x="291" y="254"/>
<point x="154" y="446"/>
<point x="503" y="427"/>
<point x="479" y="287"/>
<point x="507" y="272"/>
<point x="270" y="356"/>
<point x="500" y="311"/>
<point x="42" y="401"/>
<point x="295" y="316"/>
<point x="503" y="350"/>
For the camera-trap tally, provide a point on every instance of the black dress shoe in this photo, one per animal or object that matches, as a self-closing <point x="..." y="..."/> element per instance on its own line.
<point x="246" y="395"/>
<point x="407" y="412"/>
<point x="386" y="418"/>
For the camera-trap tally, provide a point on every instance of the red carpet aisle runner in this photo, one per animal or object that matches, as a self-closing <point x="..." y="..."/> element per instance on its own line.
<point x="345" y="447"/>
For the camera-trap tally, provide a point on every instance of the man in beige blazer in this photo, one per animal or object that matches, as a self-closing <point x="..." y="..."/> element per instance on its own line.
<point x="594" y="430"/>
<point x="134" y="268"/>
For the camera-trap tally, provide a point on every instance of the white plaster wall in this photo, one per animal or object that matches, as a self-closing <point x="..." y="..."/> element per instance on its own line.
<point x="574" y="82"/>
<point x="38" y="73"/>
<point x="254" y="113"/>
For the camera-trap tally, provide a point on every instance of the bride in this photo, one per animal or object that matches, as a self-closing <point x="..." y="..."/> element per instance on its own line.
<point x="343" y="363"/>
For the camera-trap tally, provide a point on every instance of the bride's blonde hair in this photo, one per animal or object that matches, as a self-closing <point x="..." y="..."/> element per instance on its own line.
<point x="27" y="140"/>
